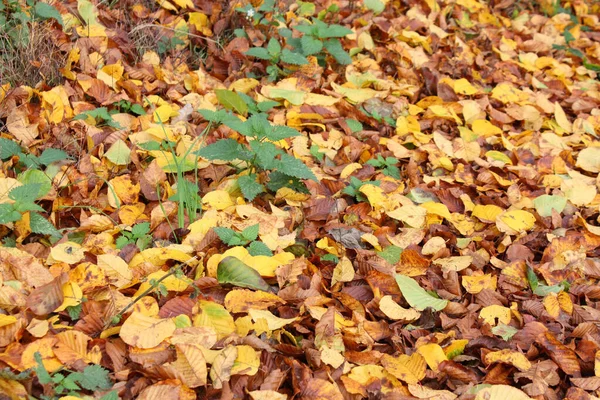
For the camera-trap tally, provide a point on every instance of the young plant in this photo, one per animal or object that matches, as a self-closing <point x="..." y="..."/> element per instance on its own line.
<point x="99" y="116"/>
<point x="262" y="160"/>
<point x="275" y="54"/>
<point x="128" y="107"/>
<point x="139" y="236"/>
<point x="24" y="201"/>
<point x="246" y="237"/>
<point x="71" y="383"/>
<point x="387" y="165"/>
<point x="353" y="189"/>
<point x="319" y="38"/>
<point x="23" y="161"/>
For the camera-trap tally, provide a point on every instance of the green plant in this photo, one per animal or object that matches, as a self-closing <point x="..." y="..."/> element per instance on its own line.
<point x="100" y="116"/>
<point x="72" y="383"/>
<point x="315" y="38"/>
<point x="246" y="237"/>
<point x="126" y="106"/>
<point x="25" y="161"/>
<point x="24" y="201"/>
<point x="353" y="189"/>
<point x="387" y="165"/>
<point x="262" y="160"/>
<point x="139" y="236"/>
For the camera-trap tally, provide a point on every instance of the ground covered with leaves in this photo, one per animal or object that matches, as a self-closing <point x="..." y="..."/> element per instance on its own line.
<point x="310" y="200"/>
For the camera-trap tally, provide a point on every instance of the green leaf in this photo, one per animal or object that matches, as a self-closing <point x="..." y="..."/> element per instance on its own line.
<point x="137" y="109"/>
<point x="225" y="234"/>
<point x="310" y="45"/>
<point x="274" y="48"/>
<point x="544" y="204"/>
<point x="330" y="258"/>
<point x="234" y="272"/>
<point x="232" y="101"/>
<point x="293" y="58"/>
<point x="35" y="176"/>
<point x="416" y="296"/>
<point x="506" y="332"/>
<point x="121" y="242"/>
<point x="277" y="180"/>
<point x="280" y="132"/>
<point x="8" y="148"/>
<point x="223" y="149"/>
<point x="334" y="47"/>
<point x="74" y="312"/>
<point x="119" y="153"/>
<point x="24" y="206"/>
<point x="292" y="166"/>
<point x="377" y="6"/>
<point x="354" y="125"/>
<point x="68" y="384"/>
<point x="49" y="156"/>
<point x="41" y="371"/>
<point x="140" y="229"/>
<point x="251" y="232"/>
<point x="259" y="249"/>
<point x="265" y="106"/>
<point x="266" y="153"/>
<point x="93" y="377"/>
<point x="47" y="11"/>
<point x="25" y="193"/>
<point x="391" y="254"/>
<point x="591" y="66"/>
<point x="250" y="187"/>
<point x="334" y="31"/>
<point x="110" y="396"/>
<point x="8" y="214"/>
<point x="532" y="278"/>
<point x="259" y="52"/>
<point x="41" y="225"/>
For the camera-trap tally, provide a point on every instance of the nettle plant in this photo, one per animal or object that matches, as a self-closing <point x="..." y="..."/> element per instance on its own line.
<point x="312" y="37"/>
<point x="246" y="237"/>
<point x="262" y="163"/>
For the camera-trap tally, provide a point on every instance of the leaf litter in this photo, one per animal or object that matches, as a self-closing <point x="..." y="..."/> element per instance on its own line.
<point x="341" y="200"/>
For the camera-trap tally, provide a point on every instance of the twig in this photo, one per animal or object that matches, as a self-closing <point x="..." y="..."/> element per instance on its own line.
<point x="172" y="271"/>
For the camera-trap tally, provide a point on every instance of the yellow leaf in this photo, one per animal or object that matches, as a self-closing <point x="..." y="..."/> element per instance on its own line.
<point x="564" y="300"/>
<point x="561" y="118"/>
<point x="67" y="252"/>
<point x="13" y="389"/>
<point x="476" y="283"/>
<point x="515" y="221"/>
<point x="38" y="328"/>
<point x="241" y="300"/>
<point x="145" y="332"/>
<point x="72" y="296"/>
<point x="495" y="312"/>
<point x="266" y="266"/>
<point x="551" y="305"/>
<point x="589" y="159"/>
<point x="220" y="371"/>
<point x="501" y="392"/>
<point x="213" y="315"/>
<point x="116" y="269"/>
<point x="413" y="216"/>
<point x="356" y="95"/>
<point x="433" y="355"/>
<point x="171" y="283"/>
<point x="7" y="320"/>
<point x="111" y="74"/>
<point x="343" y="271"/>
<point x="455" y="263"/>
<point x="349" y="170"/>
<point x="267" y="395"/>
<point x="54" y="107"/>
<point x="218" y="199"/>
<point x="18" y="124"/>
<point x="578" y="192"/>
<point x="485" y="128"/>
<point x="160" y="256"/>
<point x="247" y="361"/>
<point x="190" y="365"/>
<point x="463" y="86"/>
<point x="394" y="311"/>
<point x="510" y="357"/>
<point x="273" y="322"/>
<point x="408" y="369"/>
<point x="455" y="348"/>
<point x="597" y="363"/>
<point x="163" y="113"/>
<point x="487" y="213"/>
<point x="44" y="347"/>
<point x="331" y="356"/>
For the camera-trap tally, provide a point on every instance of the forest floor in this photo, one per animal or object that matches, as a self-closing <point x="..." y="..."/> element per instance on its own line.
<point x="274" y="200"/>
